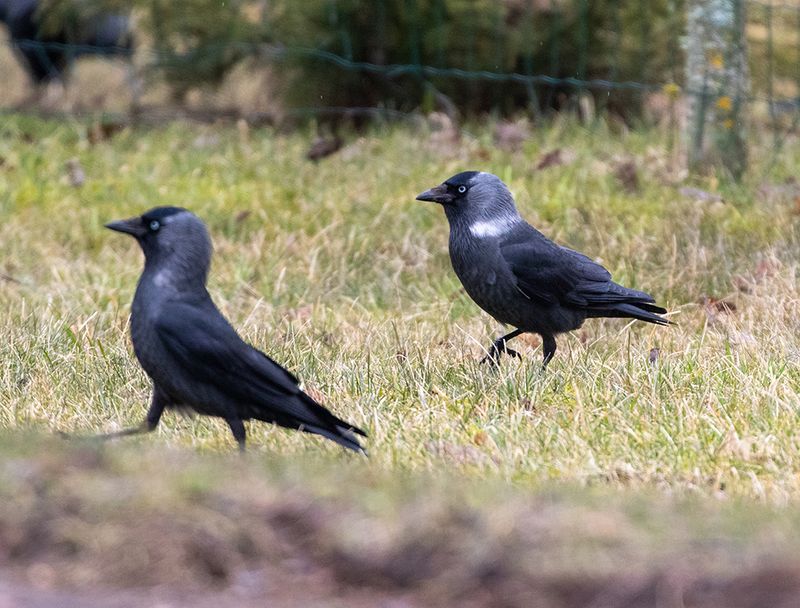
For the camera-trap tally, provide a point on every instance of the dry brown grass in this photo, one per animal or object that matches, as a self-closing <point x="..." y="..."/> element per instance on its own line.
<point x="335" y="270"/>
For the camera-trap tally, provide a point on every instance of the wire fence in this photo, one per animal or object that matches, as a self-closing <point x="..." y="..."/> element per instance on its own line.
<point x="509" y="55"/>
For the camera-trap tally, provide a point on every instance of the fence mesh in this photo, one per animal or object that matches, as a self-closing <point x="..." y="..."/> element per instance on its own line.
<point x="636" y="48"/>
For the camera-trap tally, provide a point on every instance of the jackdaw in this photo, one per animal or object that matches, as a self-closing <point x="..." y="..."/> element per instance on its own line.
<point x="194" y="357"/>
<point x="519" y="276"/>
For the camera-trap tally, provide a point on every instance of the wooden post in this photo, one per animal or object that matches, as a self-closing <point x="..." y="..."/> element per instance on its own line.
<point x="717" y="85"/>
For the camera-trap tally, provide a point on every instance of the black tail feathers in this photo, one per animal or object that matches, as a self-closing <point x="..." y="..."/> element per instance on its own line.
<point x="642" y="311"/>
<point x="332" y="427"/>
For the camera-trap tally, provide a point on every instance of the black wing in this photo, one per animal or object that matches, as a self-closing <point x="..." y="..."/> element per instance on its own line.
<point x="555" y="275"/>
<point x="205" y="346"/>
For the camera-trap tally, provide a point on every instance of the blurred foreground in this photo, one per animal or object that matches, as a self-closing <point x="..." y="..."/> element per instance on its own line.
<point x="132" y="525"/>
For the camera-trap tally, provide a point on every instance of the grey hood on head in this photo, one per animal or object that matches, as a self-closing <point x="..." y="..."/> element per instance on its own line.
<point x="474" y="198"/>
<point x="176" y="245"/>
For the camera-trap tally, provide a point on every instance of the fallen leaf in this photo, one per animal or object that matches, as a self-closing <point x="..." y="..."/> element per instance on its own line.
<point x="653" y="357"/>
<point x="323" y="147"/>
<point x="105" y="129"/>
<point x="483" y="154"/>
<point x="717" y="305"/>
<point x="628" y="175"/>
<point x="551" y="159"/>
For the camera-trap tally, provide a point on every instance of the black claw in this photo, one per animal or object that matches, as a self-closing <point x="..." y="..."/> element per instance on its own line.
<point x="497" y="348"/>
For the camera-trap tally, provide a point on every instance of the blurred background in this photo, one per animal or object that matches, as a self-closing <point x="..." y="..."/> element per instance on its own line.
<point x="692" y="66"/>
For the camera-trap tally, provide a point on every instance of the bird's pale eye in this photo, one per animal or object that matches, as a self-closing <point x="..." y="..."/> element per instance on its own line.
<point x="462" y="189"/>
<point x="154" y="226"/>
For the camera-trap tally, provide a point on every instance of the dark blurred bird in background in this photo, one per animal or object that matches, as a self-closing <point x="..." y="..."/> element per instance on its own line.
<point x="48" y="49"/>
<point x="194" y="357"/>
<point x="519" y="276"/>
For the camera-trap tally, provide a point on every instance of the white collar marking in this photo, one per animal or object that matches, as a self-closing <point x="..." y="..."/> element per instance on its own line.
<point x="492" y="228"/>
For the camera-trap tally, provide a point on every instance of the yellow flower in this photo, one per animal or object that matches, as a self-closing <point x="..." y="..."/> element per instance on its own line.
<point x="725" y="103"/>
<point x="671" y="89"/>
<point x="716" y="60"/>
<point x="728" y="123"/>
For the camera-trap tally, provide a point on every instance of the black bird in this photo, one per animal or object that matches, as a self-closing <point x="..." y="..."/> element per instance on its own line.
<point x="194" y="357"/>
<point x="48" y="52"/>
<point x="518" y="275"/>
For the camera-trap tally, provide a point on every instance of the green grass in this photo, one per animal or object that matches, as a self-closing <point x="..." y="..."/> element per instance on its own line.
<point x="334" y="270"/>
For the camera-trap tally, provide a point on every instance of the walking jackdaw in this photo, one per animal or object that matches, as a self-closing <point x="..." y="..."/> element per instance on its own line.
<point x="194" y="357"/>
<point x="519" y="276"/>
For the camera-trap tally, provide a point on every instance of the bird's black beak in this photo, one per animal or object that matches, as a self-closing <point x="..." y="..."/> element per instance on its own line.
<point x="439" y="194"/>
<point x="132" y="226"/>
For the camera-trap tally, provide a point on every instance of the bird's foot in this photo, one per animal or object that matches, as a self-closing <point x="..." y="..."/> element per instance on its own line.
<point x="497" y="349"/>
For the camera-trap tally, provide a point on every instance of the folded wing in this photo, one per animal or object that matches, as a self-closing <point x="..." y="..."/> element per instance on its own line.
<point x="206" y="347"/>
<point x="554" y="275"/>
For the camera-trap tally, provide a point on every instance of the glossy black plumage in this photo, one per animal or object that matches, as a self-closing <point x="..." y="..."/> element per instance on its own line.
<point x="193" y="355"/>
<point x="518" y="275"/>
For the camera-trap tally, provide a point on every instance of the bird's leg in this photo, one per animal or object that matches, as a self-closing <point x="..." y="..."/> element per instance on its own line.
<point x="150" y="423"/>
<point x="549" y="348"/>
<point x="500" y="346"/>
<point x="237" y="428"/>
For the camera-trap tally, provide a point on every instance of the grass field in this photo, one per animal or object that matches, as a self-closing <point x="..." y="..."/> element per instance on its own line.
<point x="335" y="270"/>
